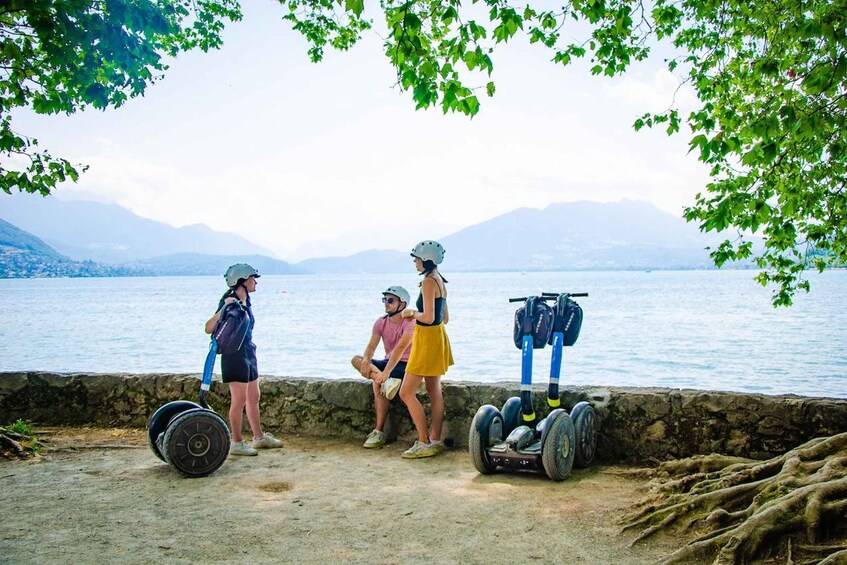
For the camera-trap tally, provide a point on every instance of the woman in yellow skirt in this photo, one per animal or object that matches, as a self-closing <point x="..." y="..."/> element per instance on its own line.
<point x="431" y="355"/>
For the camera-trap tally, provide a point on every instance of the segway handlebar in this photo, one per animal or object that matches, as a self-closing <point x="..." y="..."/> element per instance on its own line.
<point x="549" y="296"/>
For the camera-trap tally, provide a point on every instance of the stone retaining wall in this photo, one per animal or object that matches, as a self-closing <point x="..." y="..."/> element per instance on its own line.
<point x="635" y="425"/>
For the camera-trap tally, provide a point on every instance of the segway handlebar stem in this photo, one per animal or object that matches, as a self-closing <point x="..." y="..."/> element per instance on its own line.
<point x="555" y="370"/>
<point x="526" y="380"/>
<point x="208" y="367"/>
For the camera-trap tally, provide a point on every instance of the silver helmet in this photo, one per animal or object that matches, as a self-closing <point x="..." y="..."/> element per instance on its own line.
<point x="429" y="250"/>
<point x="399" y="292"/>
<point x="239" y="271"/>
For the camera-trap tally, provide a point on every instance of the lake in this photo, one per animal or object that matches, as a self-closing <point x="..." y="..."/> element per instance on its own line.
<point x="710" y="330"/>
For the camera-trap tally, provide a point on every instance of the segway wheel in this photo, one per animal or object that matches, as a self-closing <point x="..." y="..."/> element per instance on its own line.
<point x="585" y="428"/>
<point x="479" y="441"/>
<point x="557" y="452"/>
<point x="196" y="443"/>
<point x="158" y="422"/>
<point x="511" y="415"/>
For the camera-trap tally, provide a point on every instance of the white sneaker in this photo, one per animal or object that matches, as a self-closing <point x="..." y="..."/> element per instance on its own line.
<point x="267" y="441"/>
<point x="375" y="439"/>
<point x="390" y="387"/>
<point x="419" y="450"/>
<point x="437" y="446"/>
<point x="241" y="448"/>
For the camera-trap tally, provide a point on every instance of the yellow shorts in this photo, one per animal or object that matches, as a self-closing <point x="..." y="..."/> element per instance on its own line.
<point x="431" y="354"/>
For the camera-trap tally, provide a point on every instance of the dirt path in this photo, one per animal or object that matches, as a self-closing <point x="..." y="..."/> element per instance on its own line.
<point x="314" y="501"/>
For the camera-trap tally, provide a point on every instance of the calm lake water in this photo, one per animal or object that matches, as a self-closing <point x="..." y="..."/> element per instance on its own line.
<point x="710" y="330"/>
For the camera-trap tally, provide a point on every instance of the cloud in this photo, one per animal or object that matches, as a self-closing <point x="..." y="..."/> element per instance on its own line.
<point x="656" y="92"/>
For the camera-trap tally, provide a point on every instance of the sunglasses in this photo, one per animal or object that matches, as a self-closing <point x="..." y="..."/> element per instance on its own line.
<point x="389" y="300"/>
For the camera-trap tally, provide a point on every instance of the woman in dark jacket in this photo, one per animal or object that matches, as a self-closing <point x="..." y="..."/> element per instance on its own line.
<point x="240" y="369"/>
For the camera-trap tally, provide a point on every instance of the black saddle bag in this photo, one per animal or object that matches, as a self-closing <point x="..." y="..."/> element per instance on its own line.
<point x="568" y="320"/>
<point x="537" y="322"/>
<point x="232" y="328"/>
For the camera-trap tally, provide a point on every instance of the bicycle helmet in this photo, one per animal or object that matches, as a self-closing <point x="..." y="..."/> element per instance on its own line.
<point x="239" y="271"/>
<point x="429" y="250"/>
<point x="399" y="292"/>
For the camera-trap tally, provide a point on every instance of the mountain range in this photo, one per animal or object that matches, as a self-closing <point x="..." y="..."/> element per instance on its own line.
<point x="566" y="236"/>
<point x="107" y="233"/>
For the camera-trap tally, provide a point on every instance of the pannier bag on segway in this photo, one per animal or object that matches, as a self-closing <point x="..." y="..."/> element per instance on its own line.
<point x="568" y="320"/>
<point x="538" y="324"/>
<point x="232" y="328"/>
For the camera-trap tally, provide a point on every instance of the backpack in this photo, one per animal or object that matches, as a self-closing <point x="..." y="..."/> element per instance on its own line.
<point x="232" y="328"/>
<point x="568" y="320"/>
<point x="538" y="323"/>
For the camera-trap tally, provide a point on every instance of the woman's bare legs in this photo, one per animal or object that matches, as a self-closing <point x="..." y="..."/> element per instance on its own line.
<point x="237" y="401"/>
<point x="408" y="394"/>
<point x="436" y="403"/>
<point x="253" y="408"/>
<point x="244" y="395"/>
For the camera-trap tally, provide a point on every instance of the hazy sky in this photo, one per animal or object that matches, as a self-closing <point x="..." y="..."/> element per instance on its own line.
<point x="328" y="159"/>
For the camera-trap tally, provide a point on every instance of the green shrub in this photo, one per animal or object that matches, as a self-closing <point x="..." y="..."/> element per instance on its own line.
<point x="22" y="427"/>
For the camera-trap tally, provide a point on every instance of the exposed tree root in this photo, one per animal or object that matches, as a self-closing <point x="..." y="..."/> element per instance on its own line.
<point x="740" y="510"/>
<point x="14" y="445"/>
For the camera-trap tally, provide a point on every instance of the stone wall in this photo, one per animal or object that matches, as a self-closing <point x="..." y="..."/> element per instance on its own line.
<point x="635" y="425"/>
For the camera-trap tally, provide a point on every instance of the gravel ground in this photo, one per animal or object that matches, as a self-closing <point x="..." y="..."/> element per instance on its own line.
<point x="101" y="496"/>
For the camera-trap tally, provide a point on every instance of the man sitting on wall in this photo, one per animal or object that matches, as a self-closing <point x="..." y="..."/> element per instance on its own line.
<point x="386" y="374"/>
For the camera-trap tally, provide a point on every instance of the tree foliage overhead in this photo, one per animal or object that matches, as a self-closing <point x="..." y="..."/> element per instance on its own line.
<point x="769" y="75"/>
<point x="59" y="56"/>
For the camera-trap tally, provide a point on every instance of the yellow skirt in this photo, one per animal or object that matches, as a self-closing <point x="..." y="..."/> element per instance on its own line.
<point x="431" y="354"/>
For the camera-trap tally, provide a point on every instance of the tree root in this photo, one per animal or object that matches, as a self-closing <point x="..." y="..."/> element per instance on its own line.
<point x="740" y="510"/>
<point x="18" y="446"/>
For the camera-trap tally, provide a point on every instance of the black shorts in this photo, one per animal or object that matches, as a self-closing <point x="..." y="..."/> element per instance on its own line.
<point x="396" y="373"/>
<point x="240" y="367"/>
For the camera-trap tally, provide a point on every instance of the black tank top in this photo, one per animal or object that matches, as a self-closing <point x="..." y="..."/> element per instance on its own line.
<point x="440" y="302"/>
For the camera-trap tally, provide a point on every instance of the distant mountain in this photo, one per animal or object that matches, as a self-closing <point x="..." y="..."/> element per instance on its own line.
<point x="568" y="236"/>
<point x="581" y="235"/>
<point x="373" y="261"/>
<point x="22" y="255"/>
<point x="179" y="264"/>
<point x="14" y="238"/>
<point x="107" y="233"/>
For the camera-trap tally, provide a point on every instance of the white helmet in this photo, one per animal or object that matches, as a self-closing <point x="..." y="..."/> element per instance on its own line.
<point x="429" y="250"/>
<point x="399" y="292"/>
<point x="239" y="271"/>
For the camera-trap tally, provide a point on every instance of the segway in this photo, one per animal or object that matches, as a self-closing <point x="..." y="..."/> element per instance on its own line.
<point x="513" y="438"/>
<point x="191" y="437"/>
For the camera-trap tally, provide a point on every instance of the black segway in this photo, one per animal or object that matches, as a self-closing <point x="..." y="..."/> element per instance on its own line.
<point x="511" y="438"/>
<point x="191" y="437"/>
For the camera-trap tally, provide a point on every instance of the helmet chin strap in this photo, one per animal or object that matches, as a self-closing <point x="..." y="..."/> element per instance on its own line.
<point x="392" y="314"/>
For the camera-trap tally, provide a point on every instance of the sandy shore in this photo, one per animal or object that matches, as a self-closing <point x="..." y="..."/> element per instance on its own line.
<point x="105" y="498"/>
